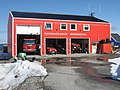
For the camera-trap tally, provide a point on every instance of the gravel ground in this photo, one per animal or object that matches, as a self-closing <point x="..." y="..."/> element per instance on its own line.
<point x="32" y="83"/>
<point x="83" y="73"/>
<point x="61" y="78"/>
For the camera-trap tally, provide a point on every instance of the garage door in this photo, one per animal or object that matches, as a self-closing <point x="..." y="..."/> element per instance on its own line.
<point x="27" y="29"/>
<point x="56" y="43"/>
<point x="79" y="45"/>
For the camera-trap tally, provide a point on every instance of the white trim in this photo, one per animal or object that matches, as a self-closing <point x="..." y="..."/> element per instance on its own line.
<point x="41" y="40"/>
<point x="63" y="20"/>
<point x="11" y="14"/>
<point x="70" y="46"/>
<point x="89" y="45"/>
<point x="48" y="28"/>
<point x="84" y="25"/>
<point x="12" y="36"/>
<point x="61" y="26"/>
<point x="45" y="53"/>
<point x="75" y="27"/>
<point x="110" y="31"/>
<point x="16" y="45"/>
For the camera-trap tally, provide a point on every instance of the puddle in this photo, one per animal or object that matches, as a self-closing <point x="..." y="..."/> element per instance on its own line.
<point x="103" y="58"/>
<point x="59" y="61"/>
<point x="78" y="61"/>
<point x="75" y="61"/>
<point x="95" y="68"/>
<point x="92" y="68"/>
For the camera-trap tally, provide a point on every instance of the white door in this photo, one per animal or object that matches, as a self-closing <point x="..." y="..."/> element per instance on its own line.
<point x="94" y="48"/>
<point x="27" y="29"/>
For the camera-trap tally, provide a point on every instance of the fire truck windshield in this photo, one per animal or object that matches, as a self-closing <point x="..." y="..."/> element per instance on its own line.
<point x="29" y="42"/>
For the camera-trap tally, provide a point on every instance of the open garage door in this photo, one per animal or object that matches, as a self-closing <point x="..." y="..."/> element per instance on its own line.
<point x="79" y="45"/>
<point x="28" y="39"/>
<point x="57" y="46"/>
<point x="28" y="29"/>
<point x="28" y="44"/>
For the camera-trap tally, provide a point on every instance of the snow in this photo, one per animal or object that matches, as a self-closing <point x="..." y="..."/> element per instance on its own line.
<point x="115" y="68"/>
<point x="118" y="52"/>
<point x="13" y="74"/>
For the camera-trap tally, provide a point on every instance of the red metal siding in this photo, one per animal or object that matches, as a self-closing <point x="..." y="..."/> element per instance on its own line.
<point x="98" y="31"/>
<point x="15" y="38"/>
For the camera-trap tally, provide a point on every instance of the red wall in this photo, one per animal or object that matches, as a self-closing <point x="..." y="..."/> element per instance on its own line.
<point x="98" y="31"/>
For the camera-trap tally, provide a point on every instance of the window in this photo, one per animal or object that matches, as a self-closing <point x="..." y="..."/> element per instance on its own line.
<point x="63" y="26"/>
<point x="86" y="27"/>
<point x="48" y="26"/>
<point x="73" y="26"/>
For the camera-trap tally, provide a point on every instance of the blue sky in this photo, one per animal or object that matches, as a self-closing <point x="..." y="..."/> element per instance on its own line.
<point x="108" y="10"/>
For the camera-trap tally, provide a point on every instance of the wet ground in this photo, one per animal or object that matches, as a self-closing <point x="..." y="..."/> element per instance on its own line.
<point x="80" y="73"/>
<point x="75" y="73"/>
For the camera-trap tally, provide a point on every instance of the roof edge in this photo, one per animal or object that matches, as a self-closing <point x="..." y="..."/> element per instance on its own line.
<point x="101" y="20"/>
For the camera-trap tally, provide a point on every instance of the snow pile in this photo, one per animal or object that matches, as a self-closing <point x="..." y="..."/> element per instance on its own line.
<point x="115" y="68"/>
<point x="118" y="52"/>
<point x="12" y="74"/>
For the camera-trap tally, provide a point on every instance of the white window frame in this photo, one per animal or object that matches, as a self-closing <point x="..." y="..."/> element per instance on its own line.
<point x="46" y="27"/>
<point x="61" y="26"/>
<point x="75" y="27"/>
<point x="84" y="25"/>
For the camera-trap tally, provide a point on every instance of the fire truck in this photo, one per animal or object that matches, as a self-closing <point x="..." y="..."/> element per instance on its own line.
<point x="29" y="45"/>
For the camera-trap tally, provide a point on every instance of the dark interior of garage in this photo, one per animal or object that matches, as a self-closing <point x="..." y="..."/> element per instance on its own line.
<point x="20" y="41"/>
<point x="79" y="45"/>
<point x="58" y="44"/>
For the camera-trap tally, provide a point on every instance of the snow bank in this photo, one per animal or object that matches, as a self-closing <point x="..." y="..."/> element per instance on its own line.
<point x="12" y="74"/>
<point x="115" y="68"/>
<point x="118" y="52"/>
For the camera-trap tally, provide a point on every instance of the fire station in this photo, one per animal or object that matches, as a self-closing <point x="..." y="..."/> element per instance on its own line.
<point x="52" y="30"/>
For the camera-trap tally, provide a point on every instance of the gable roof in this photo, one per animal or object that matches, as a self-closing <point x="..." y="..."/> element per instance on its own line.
<point x="116" y="36"/>
<point x="55" y="16"/>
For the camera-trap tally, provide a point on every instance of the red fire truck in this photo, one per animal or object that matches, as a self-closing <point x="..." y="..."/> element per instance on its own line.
<point x="29" y="45"/>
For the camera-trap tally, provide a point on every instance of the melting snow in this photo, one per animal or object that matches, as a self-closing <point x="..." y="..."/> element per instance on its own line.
<point x="115" y="68"/>
<point x="12" y="74"/>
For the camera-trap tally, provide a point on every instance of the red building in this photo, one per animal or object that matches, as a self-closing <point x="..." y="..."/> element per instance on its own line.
<point x="56" y="29"/>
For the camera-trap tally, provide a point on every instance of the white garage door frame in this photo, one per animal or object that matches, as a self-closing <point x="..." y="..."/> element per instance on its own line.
<point x="28" y="30"/>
